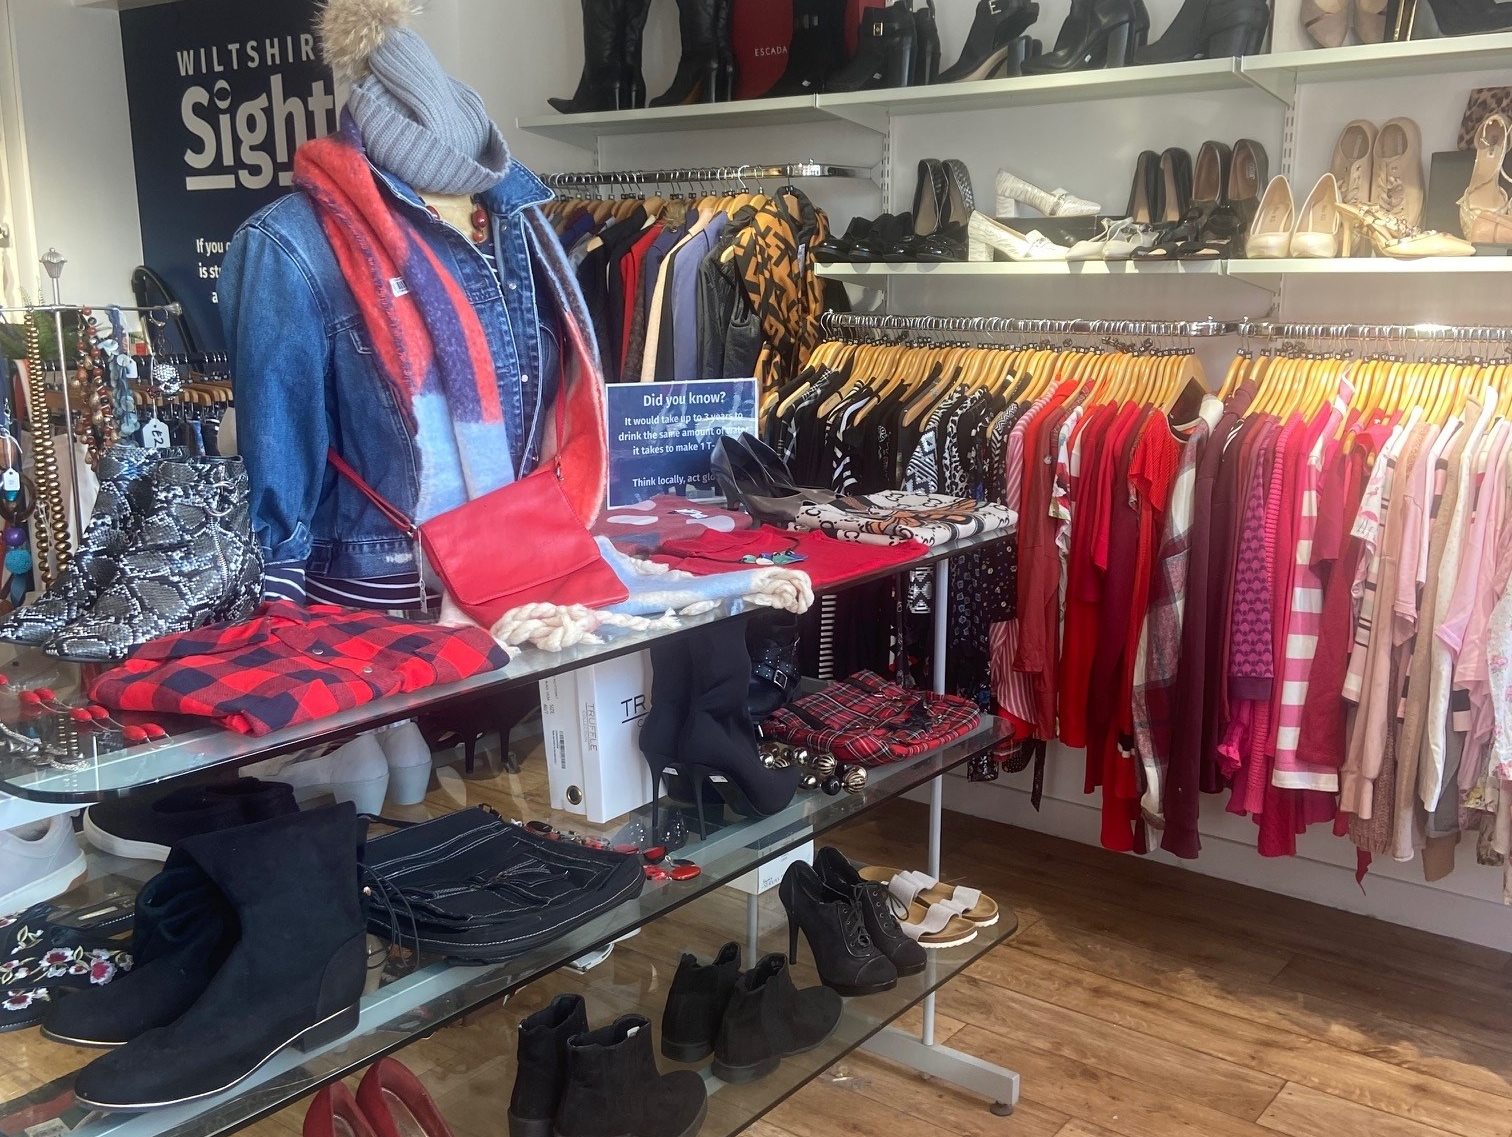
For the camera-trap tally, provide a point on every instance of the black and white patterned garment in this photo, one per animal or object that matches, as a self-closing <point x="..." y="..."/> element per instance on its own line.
<point x="923" y="477"/>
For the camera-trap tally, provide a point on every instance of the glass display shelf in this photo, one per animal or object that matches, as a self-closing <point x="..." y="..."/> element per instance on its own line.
<point x="413" y="999"/>
<point x="99" y="764"/>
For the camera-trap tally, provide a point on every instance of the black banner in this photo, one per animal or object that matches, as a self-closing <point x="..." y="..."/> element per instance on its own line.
<point x="222" y="94"/>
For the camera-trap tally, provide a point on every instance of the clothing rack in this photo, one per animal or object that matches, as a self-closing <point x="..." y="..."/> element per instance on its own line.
<point x="174" y="309"/>
<point x="836" y="324"/>
<point x="610" y="178"/>
<point x="1403" y="332"/>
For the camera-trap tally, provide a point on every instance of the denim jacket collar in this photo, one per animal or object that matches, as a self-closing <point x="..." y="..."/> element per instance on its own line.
<point x="518" y="190"/>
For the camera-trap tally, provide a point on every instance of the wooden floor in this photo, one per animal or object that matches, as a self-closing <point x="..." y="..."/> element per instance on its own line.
<point x="1141" y="1000"/>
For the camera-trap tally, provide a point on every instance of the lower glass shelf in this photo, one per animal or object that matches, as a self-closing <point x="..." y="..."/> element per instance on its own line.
<point x="410" y="1002"/>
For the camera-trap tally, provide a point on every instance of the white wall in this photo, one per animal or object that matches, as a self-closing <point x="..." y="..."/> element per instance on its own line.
<point x="71" y="168"/>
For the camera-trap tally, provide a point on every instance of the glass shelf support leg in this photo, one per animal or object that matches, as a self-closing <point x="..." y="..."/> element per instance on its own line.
<point x="998" y="1085"/>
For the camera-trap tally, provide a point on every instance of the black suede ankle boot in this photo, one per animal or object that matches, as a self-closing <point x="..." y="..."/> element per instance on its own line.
<point x="768" y="1019"/>
<point x="183" y="931"/>
<point x="615" y="1090"/>
<point x="541" y="1072"/>
<point x="696" y="1004"/>
<point x="817" y="50"/>
<point x="876" y="905"/>
<point x="844" y="953"/>
<point x="294" y="977"/>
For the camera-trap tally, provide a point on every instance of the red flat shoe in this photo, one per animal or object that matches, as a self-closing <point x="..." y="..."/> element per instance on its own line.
<point x="397" y="1104"/>
<point x="335" y="1113"/>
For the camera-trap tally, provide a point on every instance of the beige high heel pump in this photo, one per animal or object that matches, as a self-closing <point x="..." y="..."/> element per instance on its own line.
<point x="1485" y="214"/>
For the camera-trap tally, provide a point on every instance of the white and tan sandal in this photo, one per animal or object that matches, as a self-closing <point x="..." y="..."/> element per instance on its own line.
<point x="931" y="926"/>
<point x="976" y="907"/>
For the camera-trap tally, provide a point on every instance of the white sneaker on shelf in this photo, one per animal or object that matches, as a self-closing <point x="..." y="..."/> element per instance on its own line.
<point x="37" y="862"/>
<point x="357" y="772"/>
<point x="409" y="762"/>
<point x="1051" y="203"/>
<point x="986" y="236"/>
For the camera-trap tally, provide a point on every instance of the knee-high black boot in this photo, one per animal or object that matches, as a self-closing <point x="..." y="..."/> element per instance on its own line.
<point x="698" y="70"/>
<point x="632" y="91"/>
<point x="601" y="87"/>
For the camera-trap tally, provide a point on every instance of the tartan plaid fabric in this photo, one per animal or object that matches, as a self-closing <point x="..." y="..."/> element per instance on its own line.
<point x="289" y="665"/>
<point x="866" y="719"/>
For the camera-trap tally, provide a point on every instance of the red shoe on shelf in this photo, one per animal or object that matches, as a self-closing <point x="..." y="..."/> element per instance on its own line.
<point x="335" y="1113"/>
<point x="397" y="1104"/>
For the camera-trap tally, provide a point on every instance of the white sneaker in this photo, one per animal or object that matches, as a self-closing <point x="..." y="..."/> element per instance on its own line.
<point x="1051" y="203"/>
<point x="409" y="762"/>
<point x="357" y="772"/>
<point x="37" y="862"/>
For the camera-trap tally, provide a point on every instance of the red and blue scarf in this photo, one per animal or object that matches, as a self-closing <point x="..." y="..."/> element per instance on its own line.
<point x="427" y="339"/>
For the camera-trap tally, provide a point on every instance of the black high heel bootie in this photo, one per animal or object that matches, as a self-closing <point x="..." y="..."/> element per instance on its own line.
<point x="817" y="50"/>
<point x="926" y="64"/>
<point x="600" y="87"/>
<point x="1102" y="36"/>
<point x="876" y="905"/>
<point x="1210" y="29"/>
<point x="990" y="43"/>
<point x="724" y="38"/>
<point x="698" y="69"/>
<point x="847" y="958"/>
<point x="541" y="1072"/>
<point x="885" y="56"/>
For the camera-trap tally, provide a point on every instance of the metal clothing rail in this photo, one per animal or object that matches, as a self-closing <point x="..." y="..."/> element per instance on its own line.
<point x="841" y="322"/>
<point x="572" y="179"/>
<point x="174" y="309"/>
<point x="1431" y="332"/>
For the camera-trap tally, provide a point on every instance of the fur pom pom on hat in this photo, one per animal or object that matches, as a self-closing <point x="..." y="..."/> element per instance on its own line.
<point x="417" y="122"/>
<point x="352" y="30"/>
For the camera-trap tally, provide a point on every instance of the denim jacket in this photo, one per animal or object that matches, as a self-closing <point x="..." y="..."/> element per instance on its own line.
<point x="306" y="379"/>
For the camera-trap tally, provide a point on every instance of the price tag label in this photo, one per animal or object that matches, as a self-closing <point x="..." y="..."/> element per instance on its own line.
<point x="155" y="435"/>
<point x="11" y="481"/>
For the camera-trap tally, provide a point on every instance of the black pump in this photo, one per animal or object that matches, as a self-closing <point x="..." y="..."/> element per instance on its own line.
<point x="990" y="45"/>
<point x="885" y="56"/>
<point x="1097" y="33"/>
<point x="1210" y="29"/>
<point x="700" y="70"/>
<point x="817" y="50"/>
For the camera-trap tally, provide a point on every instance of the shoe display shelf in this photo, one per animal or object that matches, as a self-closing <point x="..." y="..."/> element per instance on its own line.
<point x="416" y="997"/>
<point x="1277" y="75"/>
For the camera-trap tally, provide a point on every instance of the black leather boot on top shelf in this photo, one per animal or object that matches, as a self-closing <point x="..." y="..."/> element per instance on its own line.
<point x="541" y="1071"/>
<point x="990" y="45"/>
<point x="926" y="64"/>
<point x="885" y="56"/>
<point x="696" y="1004"/>
<point x="767" y="1019"/>
<point x="1210" y="29"/>
<point x="1096" y="34"/>
<point x="599" y="87"/>
<point x="700" y="68"/>
<point x="817" y="50"/>
<point x="631" y="94"/>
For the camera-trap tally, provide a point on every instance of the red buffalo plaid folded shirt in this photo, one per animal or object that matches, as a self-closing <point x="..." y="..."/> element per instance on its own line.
<point x="290" y="665"/>
<point x="868" y="720"/>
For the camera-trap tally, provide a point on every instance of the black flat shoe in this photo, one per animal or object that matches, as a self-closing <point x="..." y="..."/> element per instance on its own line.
<point x="840" y="249"/>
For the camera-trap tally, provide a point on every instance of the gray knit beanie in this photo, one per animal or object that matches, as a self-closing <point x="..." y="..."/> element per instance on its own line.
<point x="417" y="122"/>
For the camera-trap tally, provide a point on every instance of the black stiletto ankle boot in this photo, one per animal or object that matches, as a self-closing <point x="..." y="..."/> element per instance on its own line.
<point x="990" y="43"/>
<point x="817" y="50"/>
<point x="698" y="70"/>
<point x="632" y="90"/>
<point x="926" y="65"/>
<point x="885" y="56"/>
<point x="1106" y="39"/>
<point x="599" y="88"/>
<point x="847" y="958"/>
<point x="1210" y="29"/>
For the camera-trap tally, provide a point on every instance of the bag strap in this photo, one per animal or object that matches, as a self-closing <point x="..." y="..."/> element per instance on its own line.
<point x="404" y="524"/>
